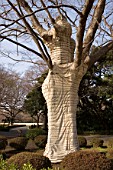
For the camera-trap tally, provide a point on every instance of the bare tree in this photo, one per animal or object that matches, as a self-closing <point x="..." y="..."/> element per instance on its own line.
<point x="12" y="95"/>
<point x="64" y="43"/>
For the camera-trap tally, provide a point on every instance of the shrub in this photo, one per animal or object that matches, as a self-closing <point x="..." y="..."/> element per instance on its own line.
<point x="37" y="161"/>
<point x="32" y="133"/>
<point x="109" y="154"/>
<point x="18" y="143"/>
<point x="27" y="167"/>
<point x="110" y="143"/>
<point x="3" y="155"/>
<point x="51" y="169"/>
<point x="41" y="141"/>
<point x="32" y="126"/>
<point x="3" y="142"/>
<point x="96" y="142"/>
<point x="86" y="160"/>
<point x="4" y="128"/>
<point x="82" y="141"/>
<point x="5" y="166"/>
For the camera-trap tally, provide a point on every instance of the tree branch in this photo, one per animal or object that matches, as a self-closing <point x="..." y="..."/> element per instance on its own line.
<point x="50" y="17"/>
<point x="93" y="26"/>
<point x="100" y="53"/>
<point x="33" y="34"/>
<point x="81" y="30"/>
<point x="21" y="45"/>
<point x="39" y="10"/>
<point x="34" y="20"/>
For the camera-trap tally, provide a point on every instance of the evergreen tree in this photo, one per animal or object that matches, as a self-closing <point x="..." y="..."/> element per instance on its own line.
<point x="35" y="103"/>
<point x="96" y="97"/>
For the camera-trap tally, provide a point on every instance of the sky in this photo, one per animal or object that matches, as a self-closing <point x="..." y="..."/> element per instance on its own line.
<point x="11" y="49"/>
<point x="19" y="67"/>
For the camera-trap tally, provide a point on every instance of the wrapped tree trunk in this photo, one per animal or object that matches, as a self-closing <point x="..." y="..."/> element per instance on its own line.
<point x="60" y="90"/>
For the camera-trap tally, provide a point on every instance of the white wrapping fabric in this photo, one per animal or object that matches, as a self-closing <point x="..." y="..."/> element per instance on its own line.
<point x="60" y="90"/>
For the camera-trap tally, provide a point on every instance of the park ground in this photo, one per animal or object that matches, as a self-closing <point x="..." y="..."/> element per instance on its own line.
<point x="14" y="132"/>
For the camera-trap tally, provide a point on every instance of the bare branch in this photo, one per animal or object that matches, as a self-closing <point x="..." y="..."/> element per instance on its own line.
<point x="33" y="34"/>
<point x="21" y="45"/>
<point x="52" y="7"/>
<point x="93" y="26"/>
<point x="81" y="30"/>
<point x="44" y="6"/>
<point x="56" y="3"/>
<point x="39" y="10"/>
<point x="109" y="26"/>
<point x="34" y="20"/>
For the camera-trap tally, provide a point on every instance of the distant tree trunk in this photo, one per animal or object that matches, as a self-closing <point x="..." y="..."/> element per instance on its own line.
<point x="37" y="120"/>
<point x="60" y="90"/>
<point x="45" y="127"/>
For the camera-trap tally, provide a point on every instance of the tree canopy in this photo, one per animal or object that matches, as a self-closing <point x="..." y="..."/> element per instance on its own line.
<point x="96" y="97"/>
<point x="13" y="89"/>
<point x="23" y="22"/>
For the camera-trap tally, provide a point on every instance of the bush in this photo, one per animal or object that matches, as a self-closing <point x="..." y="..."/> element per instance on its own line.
<point x="27" y="167"/>
<point x="86" y="160"/>
<point x="37" y="161"/>
<point x="96" y="142"/>
<point x="109" y="154"/>
<point x="51" y="169"/>
<point x="82" y="141"/>
<point x="18" y="143"/>
<point x="5" y="166"/>
<point x="41" y="141"/>
<point x="32" y="126"/>
<point x="3" y="142"/>
<point x="32" y="133"/>
<point x="3" y="155"/>
<point x="4" y="128"/>
<point x="110" y="143"/>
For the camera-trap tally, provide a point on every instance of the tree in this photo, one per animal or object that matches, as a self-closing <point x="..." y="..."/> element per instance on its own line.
<point x="12" y="94"/>
<point x="67" y="62"/>
<point x="96" y="99"/>
<point x="35" y="103"/>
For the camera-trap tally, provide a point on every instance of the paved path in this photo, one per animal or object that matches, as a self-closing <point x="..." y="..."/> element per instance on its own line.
<point x="15" y="131"/>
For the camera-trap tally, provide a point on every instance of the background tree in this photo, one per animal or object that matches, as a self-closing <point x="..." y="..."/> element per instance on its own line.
<point x="35" y="103"/>
<point x="96" y="97"/>
<point x="83" y="21"/>
<point x="12" y="94"/>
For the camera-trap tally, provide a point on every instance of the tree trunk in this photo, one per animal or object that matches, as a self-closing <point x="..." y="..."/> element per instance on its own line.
<point x="60" y="90"/>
